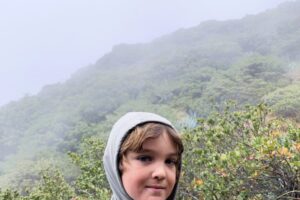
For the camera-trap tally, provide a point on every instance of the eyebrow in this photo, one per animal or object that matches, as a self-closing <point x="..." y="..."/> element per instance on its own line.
<point x="151" y="151"/>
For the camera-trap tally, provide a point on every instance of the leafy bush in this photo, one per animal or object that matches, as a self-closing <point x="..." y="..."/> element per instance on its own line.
<point x="92" y="183"/>
<point x="8" y="194"/>
<point x="241" y="155"/>
<point x="51" y="186"/>
<point x="285" y="101"/>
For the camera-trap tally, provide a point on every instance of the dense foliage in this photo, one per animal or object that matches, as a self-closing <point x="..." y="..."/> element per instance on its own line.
<point x="242" y="155"/>
<point x="230" y="155"/>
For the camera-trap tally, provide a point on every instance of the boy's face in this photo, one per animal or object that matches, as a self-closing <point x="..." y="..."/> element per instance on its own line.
<point x="151" y="173"/>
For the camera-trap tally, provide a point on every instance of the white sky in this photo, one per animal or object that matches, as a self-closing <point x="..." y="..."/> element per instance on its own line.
<point x="45" y="41"/>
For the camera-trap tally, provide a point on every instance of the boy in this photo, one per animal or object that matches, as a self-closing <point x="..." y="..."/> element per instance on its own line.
<point x="142" y="159"/>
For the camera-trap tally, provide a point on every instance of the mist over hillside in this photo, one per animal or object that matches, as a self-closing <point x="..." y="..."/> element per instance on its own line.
<point x="184" y="75"/>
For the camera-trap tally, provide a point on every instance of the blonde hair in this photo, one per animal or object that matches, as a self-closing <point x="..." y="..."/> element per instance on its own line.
<point x="136" y="137"/>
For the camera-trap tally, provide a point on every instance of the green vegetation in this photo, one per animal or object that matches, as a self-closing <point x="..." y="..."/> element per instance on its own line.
<point x="242" y="155"/>
<point x="51" y="143"/>
<point x="285" y="101"/>
<point x="233" y="155"/>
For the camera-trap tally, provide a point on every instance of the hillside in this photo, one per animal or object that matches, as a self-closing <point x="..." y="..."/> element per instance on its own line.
<point x="183" y="75"/>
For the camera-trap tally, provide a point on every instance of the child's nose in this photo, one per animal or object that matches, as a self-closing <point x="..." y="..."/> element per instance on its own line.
<point x="159" y="171"/>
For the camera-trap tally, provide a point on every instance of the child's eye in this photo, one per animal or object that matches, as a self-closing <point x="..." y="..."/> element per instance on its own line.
<point x="144" y="158"/>
<point x="171" y="161"/>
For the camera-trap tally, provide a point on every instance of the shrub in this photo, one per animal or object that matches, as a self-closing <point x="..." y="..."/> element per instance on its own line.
<point x="241" y="155"/>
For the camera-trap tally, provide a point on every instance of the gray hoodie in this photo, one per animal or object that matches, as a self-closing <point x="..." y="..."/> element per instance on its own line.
<point x="110" y="158"/>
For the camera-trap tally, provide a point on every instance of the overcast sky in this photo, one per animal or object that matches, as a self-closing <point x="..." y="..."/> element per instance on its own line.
<point x="44" y="41"/>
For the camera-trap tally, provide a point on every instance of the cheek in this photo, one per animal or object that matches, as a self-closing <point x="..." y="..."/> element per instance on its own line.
<point x="133" y="183"/>
<point x="172" y="178"/>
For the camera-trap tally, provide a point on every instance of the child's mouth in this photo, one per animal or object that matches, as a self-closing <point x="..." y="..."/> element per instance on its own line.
<point x="157" y="187"/>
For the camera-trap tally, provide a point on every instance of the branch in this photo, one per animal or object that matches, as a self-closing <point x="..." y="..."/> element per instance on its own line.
<point x="294" y="191"/>
<point x="186" y="193"/>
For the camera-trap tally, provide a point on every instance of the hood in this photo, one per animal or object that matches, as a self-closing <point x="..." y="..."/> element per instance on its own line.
<point x="110" y="158"/>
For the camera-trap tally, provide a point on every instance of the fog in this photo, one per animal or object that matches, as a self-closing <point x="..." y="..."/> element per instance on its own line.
<point x="44" y="42"/>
